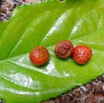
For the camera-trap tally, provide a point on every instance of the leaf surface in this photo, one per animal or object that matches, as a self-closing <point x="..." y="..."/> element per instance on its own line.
<point x="46" y="24"/>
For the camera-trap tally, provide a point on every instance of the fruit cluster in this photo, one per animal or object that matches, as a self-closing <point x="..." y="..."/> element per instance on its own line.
<point x="64" y="49"/>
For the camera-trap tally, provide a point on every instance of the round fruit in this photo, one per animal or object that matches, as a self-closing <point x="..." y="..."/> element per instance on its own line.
<point x="82" y="54"/>
<point x="64" y="49"/>
<point x="39" y="56"/>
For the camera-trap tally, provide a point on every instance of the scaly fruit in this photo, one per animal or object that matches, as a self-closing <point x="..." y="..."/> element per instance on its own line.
<point x="82" y="54"/>
<point x="39" y="56"/>
<point x="64" y="49"/>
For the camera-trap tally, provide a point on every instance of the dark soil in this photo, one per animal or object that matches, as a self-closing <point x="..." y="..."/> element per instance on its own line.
<point x="93" y="92"/>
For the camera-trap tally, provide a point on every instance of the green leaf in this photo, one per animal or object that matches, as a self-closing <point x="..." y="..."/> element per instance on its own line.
<point x="46" y="24"/>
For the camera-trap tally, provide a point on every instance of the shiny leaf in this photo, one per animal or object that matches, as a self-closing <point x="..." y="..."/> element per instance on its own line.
<point x="46" y="24"/>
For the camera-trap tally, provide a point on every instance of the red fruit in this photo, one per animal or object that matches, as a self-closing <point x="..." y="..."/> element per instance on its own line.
<point x="82" y="54"/>
<point x="64" y="49"/>
<point x="39" y="56"/>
